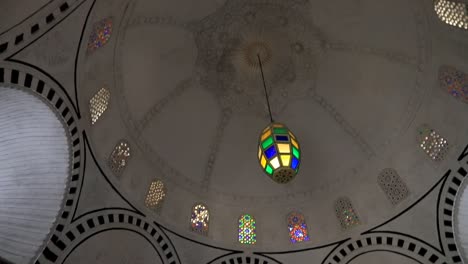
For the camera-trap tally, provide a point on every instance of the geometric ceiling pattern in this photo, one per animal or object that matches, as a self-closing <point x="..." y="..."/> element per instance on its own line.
<point x="188" y="107"/>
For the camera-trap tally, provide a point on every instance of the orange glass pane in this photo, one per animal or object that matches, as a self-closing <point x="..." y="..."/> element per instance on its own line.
<point x="294" y="143"/>
<point x="259" y="152"/>
<point x="266" y="128"/>
<point x="263" y="161"/>
<point x="284" y="148"/>
<point x="285" y="159"/>
<point x="277" y="125"/>
<point x="265" y="135"/>
<point x="291" y="134"/>
<point x="275" y="163"/>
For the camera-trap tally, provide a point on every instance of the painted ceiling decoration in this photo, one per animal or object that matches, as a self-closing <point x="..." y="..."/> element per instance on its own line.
<point x="130" y="181"/>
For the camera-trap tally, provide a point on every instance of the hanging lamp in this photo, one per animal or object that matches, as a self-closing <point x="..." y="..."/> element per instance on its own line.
<point x="279" y="153"/>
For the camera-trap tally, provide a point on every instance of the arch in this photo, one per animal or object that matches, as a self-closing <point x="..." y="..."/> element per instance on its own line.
<point x="454" y="82"/>
<point x="345" y="213"/>
<point x="200" y="219"/>
<point x="432" y="143"/>
<point x="452" y="13"/>
<point x="156" y="194"/>
<point x="119" y="157"/>
<point x="35" y="171"/>
<point x="297" y="227"/>
<point x="100" y="34"/>
<point x="392" y="185"/>
<point x="247" y="226"/>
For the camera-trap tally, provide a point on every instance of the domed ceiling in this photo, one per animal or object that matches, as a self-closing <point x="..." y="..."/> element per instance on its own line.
<point x="171" y="94"/>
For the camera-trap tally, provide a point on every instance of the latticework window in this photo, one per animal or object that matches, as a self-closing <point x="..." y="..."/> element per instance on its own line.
<point x="455" y="82"/>
<point x="118" y="160"/>
<point x="247" y="233"/>
<point x="297" y="228"/>
<point x="345" y="213"/>
<point x="156" y="194"/>
<point x="433" y="144"/>
<point x="200" y="219"/>
<point x="392" y="185"/>
<point x="100" y="34"/>
<point x="452" y="13"/>
<point x="98" y="104"/>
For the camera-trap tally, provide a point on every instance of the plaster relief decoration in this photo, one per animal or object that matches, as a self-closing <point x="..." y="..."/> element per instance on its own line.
<point x="200" y="219"/>
<point x="155" y="195"/>
<point x="100" y="34"/>
<point x="118" y="160"/>
<point x="455" y="82"/>
<point x="392" y="185"/>
<point x="247" y="233"/>
<point x="433" y="144"/>
<point x="346" y="214"/>
<point x="98" y="104"/>
<point x="297" y="228"/>
<point x="229" y="40"/>
<point x="452" y="13"/>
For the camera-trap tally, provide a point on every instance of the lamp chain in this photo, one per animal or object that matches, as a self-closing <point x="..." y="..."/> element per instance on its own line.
<point x="264" y="87"/>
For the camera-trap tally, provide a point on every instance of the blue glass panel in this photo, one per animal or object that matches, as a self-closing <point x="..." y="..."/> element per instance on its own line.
<point x="294" y="163"/>
<point x="282" y="138"/>
<point x="270" y="152"/>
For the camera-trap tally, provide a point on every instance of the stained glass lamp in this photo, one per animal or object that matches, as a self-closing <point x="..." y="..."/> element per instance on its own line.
<point x="279" y="153"/>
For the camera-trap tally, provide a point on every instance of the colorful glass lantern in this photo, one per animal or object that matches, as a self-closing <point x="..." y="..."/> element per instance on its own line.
<point x="279" y="153"/>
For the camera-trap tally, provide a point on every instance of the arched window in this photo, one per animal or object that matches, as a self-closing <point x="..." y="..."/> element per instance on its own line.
<point x="118" y="160"/>
<point x="200" y="219"/>
<point x="297" y="228"/>
<point x="98" y="104"/>
<point x="156" y="194"/>
<point x="100" y="34"/>
<point x="455" y="82"/>
<point x="452" y="13"/>
<point x="433" y="144"/>
<point x="392" y="185"/>
<point x="345" y="213"/>
<point x="247" y="233"/>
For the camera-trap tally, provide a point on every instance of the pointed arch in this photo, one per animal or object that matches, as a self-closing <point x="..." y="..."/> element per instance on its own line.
<point x="100" y="34"/>
<point x="392" y="185"/>
<point x="247" y="232"/>
<point x="155" y="195"/>
<point x="454" y="82"/>
<point x="200" y="219"/>
<point x="119" y="157"/>
<point x="297" y="227"/>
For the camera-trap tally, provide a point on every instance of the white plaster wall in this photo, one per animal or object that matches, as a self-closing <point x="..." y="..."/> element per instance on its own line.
<point x="34" y="170"/>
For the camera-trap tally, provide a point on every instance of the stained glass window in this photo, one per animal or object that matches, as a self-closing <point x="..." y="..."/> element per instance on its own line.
<point x="455" y="82"/>
<point x="119" y="157"/>
<point x="452" y="13"/>
<point x="433" y="144"/>
<point x="392" y="185"/>
<point x="98" y="104"/>
<point x="247" y="233"/>
<point x="156" y="194"/>
<point x="200" y="219"/>
<point x="100" y="34"/>
<point x="297" y="228"/>
<point x="345" y="213"/>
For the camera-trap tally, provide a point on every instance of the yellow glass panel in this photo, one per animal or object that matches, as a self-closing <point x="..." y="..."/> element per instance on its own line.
<point x="266" y="134"/>
<point x="263" y="161"/>
<point x="284" y="148"/>
<point x="294" y="143"/>
<point x="277" y="125"/>
<point x="259" y="152"/>
<point x="275" y="163"/>
<point x="285" y="159"/>
<point x="265" y="130"/>
<point x="291" y="134"/>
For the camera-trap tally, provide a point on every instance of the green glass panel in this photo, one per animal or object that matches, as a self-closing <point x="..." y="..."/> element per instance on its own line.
<point x="280" y="130"/>
<point x="296" y="152"/>
<point x="269" y="169"/>
<point x="267" y="142"/>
